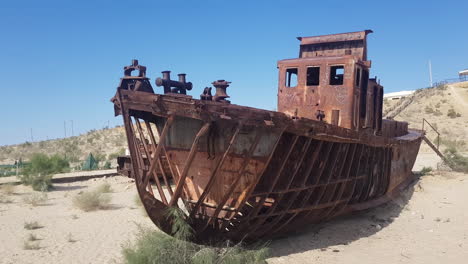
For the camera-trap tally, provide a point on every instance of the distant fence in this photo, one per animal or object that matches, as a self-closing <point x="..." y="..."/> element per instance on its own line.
<point x="462" y="78"/>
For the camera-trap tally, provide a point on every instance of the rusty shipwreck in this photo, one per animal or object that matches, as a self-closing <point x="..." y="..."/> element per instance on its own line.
<point x="242" y="173"/>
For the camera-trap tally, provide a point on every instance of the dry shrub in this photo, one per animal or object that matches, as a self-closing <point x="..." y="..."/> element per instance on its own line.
<point x="70" y="238"/>
<point x="91" y="201"/>
<point x="32" y="237"/>
<point x="452" y="114"/>
<point x="35" y="199"/>
<point x="457" y="161"/>
<point x="104" y="188"/>
<point x="32" y="225"/>
<point x="29" y="245"/>
<point x="153" y="246"/>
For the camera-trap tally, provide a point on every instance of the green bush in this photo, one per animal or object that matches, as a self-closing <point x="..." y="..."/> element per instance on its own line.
<point x="107" y="165"/>
<point x="153" y="246"/>
<point x="39" y="172"/>
<point x="426" y="170"/>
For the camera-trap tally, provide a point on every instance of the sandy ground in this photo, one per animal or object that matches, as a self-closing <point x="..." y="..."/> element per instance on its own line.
<point x="427" y="224"/>
<point x="99" y="235"/>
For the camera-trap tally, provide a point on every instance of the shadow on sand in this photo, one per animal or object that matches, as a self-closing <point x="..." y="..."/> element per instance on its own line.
<point x="343" y="230"/>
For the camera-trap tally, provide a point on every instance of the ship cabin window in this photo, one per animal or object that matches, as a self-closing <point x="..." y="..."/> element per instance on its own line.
<point x="336" y="75"/>
<point x="358" y="76"/>
<point x="291" y="77"/>
<point x="313" y="76"/>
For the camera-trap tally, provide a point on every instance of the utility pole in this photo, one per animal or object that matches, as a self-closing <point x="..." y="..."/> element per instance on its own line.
<point x="430" y="72"/>
<point x="72" y="128"/>
<point x="32" y="138"/>
<point x="65" y="128"/>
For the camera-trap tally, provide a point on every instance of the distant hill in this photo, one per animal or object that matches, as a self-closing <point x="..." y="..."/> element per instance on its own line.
<point x="104" y="144"/>
<point x="445" y="107"/>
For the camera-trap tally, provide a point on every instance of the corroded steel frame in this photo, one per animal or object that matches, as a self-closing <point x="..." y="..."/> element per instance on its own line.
<point x="314" y="172"/>
<point x="241" y="173"/>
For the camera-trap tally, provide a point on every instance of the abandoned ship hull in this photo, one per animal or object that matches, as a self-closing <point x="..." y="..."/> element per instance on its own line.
<point x="245" y="174"/>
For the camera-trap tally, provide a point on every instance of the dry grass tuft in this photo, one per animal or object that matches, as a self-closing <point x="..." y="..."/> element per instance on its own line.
<point x="35" y="199"/>
<point x="29" y="245"/>
<point x="32" y="225"/>
<point x="92" y="200"/>
<point x="32" y="237"/>
<point x="70" y="238"/>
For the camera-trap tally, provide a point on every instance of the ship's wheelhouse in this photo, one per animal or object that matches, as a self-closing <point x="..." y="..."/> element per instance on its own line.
<point x="330" y="82"/>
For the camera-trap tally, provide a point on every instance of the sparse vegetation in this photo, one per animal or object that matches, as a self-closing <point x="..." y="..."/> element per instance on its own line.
<point x="114" y="155"/>
<point x="453" y="143"/>
<point x="39" y="172"/>
<point x="452" y="114"/>
<point x="35" y="199"/>
<point x="92" y="200"/>
<point x="73" y="149"/>
<point x="425" y="170"/>
<point x="458" y="162"/>
<point x="104" y="188"/>
<point x="70" y="238"/>
<point x="32" y="225"/>
<point x="32" y="237"/>
<point x="29" y="245"/>
<point x="428" y="110"/>
<point x="107" y="165"/>
<point x="153" y="246"/>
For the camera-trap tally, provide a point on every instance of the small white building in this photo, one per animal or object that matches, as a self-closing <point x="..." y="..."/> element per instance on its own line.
<point x="398" y="95"/>
<point x="463" y="73"/>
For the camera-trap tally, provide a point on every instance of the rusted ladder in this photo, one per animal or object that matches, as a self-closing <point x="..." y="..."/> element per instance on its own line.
<point x="433" y="147"/>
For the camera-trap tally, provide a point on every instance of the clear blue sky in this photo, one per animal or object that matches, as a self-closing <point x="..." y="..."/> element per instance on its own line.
<point x="62" y="60"/>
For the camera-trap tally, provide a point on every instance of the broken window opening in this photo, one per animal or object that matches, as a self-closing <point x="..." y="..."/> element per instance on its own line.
<point x="364" y="82"/>
<point x="336" y="75"/>
<point x="358" y="76"/>
<point x="291" y="77"/>
<point x="313" y="76"/>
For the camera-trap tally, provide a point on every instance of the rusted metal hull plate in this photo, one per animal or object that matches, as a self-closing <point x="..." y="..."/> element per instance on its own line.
<point x="257" y="175"/>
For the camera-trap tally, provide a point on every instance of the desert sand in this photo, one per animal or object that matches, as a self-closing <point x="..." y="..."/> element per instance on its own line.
<point x="426" y="224"/>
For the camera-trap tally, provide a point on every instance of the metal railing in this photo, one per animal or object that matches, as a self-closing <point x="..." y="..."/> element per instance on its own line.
<point x="462" y="78"/>
<point x="435" y="130"/>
